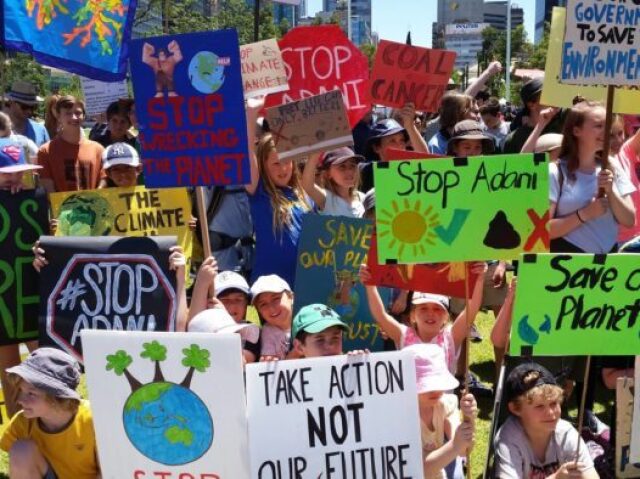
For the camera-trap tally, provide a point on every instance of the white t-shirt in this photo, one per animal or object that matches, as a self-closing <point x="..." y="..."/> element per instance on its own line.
<point x="600" y="234"/>
<point x="334" y="205"/>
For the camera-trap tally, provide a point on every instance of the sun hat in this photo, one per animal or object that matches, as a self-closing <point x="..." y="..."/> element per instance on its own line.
<point x="338" y="156"/>
<point x="24" y="92"/>
<point x="227" y="280"/>
<point x="432" y="373"/>
<point x="12" y="157"/>
<point x="315" y="318"/>
<point x="120" y="154"/>
<point x="548" y="142"/>
<point x="52" y="371"/>
<point x="531" y="89"/>
<point x="424" y="298"/>
<point x="386" y="127"/>
<point x="219" y="321"/>
<point x="271" y="283"/>
<point x="515" y="385"/>
<point x="470" y="130"/>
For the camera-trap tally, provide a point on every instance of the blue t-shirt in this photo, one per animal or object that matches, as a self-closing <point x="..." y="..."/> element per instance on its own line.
<point x="438" y="144"/>
<point x="276" y="251"/>
<point x="36" y="132"/>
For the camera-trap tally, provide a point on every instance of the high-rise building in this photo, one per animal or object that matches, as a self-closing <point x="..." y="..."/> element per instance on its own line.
<point x="455" y="12"/>
<point x="466" y="40"/>
<point x="543" y="15"/>
<point x="360" y="18"/>
<point x="282" y="11"/>
<point x="495" y="14"/>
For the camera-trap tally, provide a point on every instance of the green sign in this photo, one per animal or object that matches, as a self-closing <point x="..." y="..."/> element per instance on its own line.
<point x="577" y="305"/>
<point x="462" y="209"/>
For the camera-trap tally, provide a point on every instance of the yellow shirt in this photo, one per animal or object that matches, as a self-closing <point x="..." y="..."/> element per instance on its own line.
<point x="70" y="453"/>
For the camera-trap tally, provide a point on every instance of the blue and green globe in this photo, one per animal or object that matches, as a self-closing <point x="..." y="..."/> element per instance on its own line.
<point x="85" y="214"/>
<point x="168" y="423"/>
<point x="205" y="72"/>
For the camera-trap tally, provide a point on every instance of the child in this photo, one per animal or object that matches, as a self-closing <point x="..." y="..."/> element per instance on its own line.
<point x="118" y="125"/>
<point x="444" y="438"/>
<point x="468" y="139"/>
<point x="53" y="435"/>
<point x="341" y="178"/>
<point x="121" y="163"/>
<point x="534" y="442"/>
<point x="317" y="331"/>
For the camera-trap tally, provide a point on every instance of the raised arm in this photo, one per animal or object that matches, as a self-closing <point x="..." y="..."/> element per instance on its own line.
<point x="387" y="323"/>
<point x="408" y="115"/>
<point x="147" y="53"/>
<point x="317" y="194"/>
<point x="203" y="285"/>
<point x="545" y="117"/>
<point x="177" y="263"/>
<point x="254" y="105"/>
<point x="493" y="69"/>
<point x="502" y="326"/>
<point x="174" y="48"/>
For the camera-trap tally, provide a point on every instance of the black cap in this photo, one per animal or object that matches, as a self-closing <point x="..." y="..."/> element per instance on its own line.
<point x="515" y="385"/>
<point x="530" y="89"/>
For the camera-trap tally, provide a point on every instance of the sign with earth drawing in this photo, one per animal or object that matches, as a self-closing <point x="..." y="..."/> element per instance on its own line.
<point x="190" y="106"/>
<point x="167" y="405"/>
<point x="462" y="209"/>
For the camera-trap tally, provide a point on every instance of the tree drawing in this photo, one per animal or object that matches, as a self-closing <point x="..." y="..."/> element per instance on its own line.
<point x="155" y="352"/>
<point x="119" y="362"/>
<point x="196" y="359"/>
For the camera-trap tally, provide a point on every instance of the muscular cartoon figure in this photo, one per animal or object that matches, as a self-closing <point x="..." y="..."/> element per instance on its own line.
<point x="163" y="65"/>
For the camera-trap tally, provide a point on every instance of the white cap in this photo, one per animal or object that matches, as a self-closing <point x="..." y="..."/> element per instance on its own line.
<point x="217" y="320"/>
<point x="230" y="280"/>
<point x="424" y="298"/>
<point x="120" y="154"/>
<point x="271" y="283"/>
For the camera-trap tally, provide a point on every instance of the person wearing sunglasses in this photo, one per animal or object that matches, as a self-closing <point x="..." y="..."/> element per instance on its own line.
<point x="23" y="101"/>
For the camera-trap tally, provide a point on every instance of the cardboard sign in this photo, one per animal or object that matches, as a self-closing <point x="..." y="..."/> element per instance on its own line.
<point x="407" y="74"/>
<point x="23" y="219"/>
<point x="190" y="106"/>
<point x="330" y="252"/>
<point x="320" y="59"/>
<point x="624" y="419"/>
<point x="167" y="404"/>
<point x="98" y="95"/>
<point x="461" y="209"/>
<point x="262" y="68"/>
<point x="105" y="283"/>
<point x="634" y="455"/>
<point x="601" y="43"/>
<point x="577" y="305"/>
<point x="557" y="94"/>
<point x="314" y="124"/>
<point x="344" y="417"/>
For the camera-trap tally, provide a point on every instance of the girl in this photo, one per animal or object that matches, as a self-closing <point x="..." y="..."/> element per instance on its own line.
<point x="278" y="204"/>
<point x="581" y="221"/>
<point x="341" y="178"/>
<point x="454" y="108"/>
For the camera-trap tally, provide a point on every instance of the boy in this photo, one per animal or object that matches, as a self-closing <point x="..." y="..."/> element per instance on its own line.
<point x="534" y="442"/>
<point x="118" y="125"/>
<point x="121" y="163"/>
<point x="53" y="436"/>
<point x="317" y="331"/>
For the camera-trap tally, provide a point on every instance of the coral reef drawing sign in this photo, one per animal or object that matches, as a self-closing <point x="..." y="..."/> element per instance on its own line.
<point x="601" y="43"/>
<point x="167" y="404"/>
<point x="461" y="209"/>
<point x="578" y="304"/>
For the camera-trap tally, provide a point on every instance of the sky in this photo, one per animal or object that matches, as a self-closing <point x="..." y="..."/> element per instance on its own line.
<point x="392" y="18"/>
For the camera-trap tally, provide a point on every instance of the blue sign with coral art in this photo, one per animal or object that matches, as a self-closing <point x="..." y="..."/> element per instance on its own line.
<point x="89" y="38"/>
<point x="190" y="108"/>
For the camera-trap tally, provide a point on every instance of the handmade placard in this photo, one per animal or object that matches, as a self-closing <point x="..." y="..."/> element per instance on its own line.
<point x="624" y="421"/>
<point x="262" y="68"/>
<point x="190" y="106"/>
<point x="318" y="123"/>
<point x="344" y="417"/>
<point x="330" y="252"/>
<point x="576" y="304"/>
<point x="105" y="283"/>
<point x="99" y="95"/>
<point x="461" y="209"/>
<point x="167" y="404"/>
<point x="634" y="454"/>
<point x="408" y="74"/>
<point x="23" y="219"/>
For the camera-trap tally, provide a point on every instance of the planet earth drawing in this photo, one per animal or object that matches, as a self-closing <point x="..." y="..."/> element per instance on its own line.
<point x="206" y="74"/>
<point x="85" y="215"/>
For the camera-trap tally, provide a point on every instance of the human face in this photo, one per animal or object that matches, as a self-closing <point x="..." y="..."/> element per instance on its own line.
<point x="540" y="415"/>
<point x="428" y="319"/>
<point x="71" y="118"/>
<point x="344" y="174"/>
<point x="33" y="401"/>
<point x="276" y="309"/>
<point x="10" y="181"/>
<point x="430" y="399"/>
<point x="21" y="111"/>
<point x="235" y="302"/>
<point x="279" y="171"/>
<point x="465" y="148"/>
<point x="490" y="120"/>
<point x="324" y="343"/>
<point x="118" y="126"/>
<point x="617" y="137"/>
<point x="396" y="141"/>
<point x="590" y="135"/>
<point x="124" y="175"/>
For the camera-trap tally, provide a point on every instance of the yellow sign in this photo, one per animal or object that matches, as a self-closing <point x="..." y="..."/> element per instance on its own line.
<point x="626" y="101"/>
<point x="4" y="417"/>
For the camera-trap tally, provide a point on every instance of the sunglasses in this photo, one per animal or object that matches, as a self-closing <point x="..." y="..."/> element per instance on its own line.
<point x="26" y="107"/>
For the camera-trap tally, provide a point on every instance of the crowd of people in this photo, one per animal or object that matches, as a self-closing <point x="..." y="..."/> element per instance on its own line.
<point x="254" y="232"/>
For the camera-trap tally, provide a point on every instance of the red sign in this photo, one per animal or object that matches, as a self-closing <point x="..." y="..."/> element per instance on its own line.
<point x="320" y="59"/>
<point x="406" y="74"/>
<point x="395" y="154"/>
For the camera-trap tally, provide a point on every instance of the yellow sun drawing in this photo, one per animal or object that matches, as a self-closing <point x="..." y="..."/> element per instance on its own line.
<point x="407" y="226"/>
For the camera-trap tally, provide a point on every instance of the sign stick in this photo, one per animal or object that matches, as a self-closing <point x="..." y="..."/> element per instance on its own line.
<point x="256" y="20"/>
<point x="583" y="399"/>
<point x="467" y="344"/>
<point x="607" y="128"/>
<point x="203" y="220"/>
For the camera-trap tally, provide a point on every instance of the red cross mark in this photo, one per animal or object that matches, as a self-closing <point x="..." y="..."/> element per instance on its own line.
<point x="539" y="230"/>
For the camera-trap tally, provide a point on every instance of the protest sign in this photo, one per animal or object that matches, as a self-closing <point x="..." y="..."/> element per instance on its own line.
<point x="330" y="252"/>
<point x="87" y="38"/>
<point x="395" y="154"/>
<point x="320" y="59"/>
<point x="23" y="219"/>
<point x="4" y="417"/>
<point x="190" y="106"/>
<point x="262" y="68"/>
<point x="314" y="124"/>
<point x="408" y="74"/>
<point x="624" y="467"/>
<point x="167" y="405"/>
<point x="461" y="209"/>
<point x="98" y="95"/>
<point x="634" y="455"/>
<point x="600" y="45"/>
<point x="576" y="304"/>
<point x="557" y="94"/>
<point x="347" y="417"/>
<point x="105" y="283"/>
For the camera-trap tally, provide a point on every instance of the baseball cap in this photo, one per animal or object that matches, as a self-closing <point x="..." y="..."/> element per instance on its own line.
<point x="432" y="373"/>
<point x="340" y="155"/>
<point x="227" y="280"/>
<point x="470" y="130"/>
<point x="424" y="298"/>
<point x="12" y="157"/>
<point x="219" y="321"/>
<point x="530" y="89"/>
<point x="548" y="142"/>
<point x="315" y="318"/>
<point x="52" y="371"/>
<point x="120" y="154"/>
<point x="386" y="127"/>
<point x="271" y="283"/>
<point x="515" y="385"/>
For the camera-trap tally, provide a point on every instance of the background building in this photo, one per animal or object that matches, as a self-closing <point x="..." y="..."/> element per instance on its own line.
<point x="466" y="40"/>
<point x="360" y="17"/>
<point x="544" y="9"/>
<point x="454" y="12"/>
<point x="495" y="14"/>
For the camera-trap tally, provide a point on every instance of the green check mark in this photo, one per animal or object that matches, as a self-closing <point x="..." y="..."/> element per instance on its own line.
<point x="451" y="232"/>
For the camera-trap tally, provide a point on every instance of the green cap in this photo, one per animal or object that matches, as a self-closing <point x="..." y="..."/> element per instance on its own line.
<point x="315" y="318"/>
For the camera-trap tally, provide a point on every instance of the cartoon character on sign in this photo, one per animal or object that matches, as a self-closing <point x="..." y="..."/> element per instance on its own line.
<point x="165" y="421"/>
<point x="163" y="66"/>
<point x="206" y="71"/>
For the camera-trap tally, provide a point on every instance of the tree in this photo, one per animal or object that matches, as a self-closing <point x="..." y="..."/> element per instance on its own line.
<point x="369" y="49"/>
<point x="119" y="362"/>
<point x="538" y="58"/>
<point x="155" y="352"/>
<point x="196" y="359"/>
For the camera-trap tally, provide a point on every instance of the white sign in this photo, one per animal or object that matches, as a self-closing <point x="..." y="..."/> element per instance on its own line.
<point x="601" y="43"/>
<point x="624" y="467"/>
<point x="263" y="69"/>
<point x="167" y="404"/>
<point x="634" y="455"/>
<point x="465" y="28"/>
<point x="98" y="95"/>
<point x="335" y="417"/>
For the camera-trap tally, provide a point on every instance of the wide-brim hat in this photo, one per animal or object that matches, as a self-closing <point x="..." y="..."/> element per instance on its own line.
<point x="548" y="142"/>
<point x="470" y="130"/>
<point x="218" y="321"/>
<point x="24" y="92"/>
<point x="432" y="373"/>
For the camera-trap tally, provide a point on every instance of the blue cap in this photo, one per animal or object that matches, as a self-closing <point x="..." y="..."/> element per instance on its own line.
<point x="386" y="127"/>
<point x="12" y="157"/>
